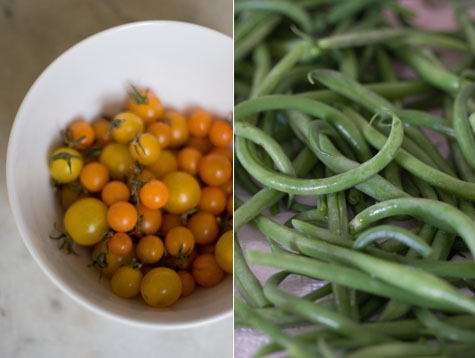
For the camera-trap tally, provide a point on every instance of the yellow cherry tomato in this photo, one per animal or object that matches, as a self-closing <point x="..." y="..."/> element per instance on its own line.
<point x="161" y="287"/>
<point x="117" y="159"/>
<point x="126" y="126"/>
<point x="144" y="149"/>
<point x="70" y="193"/>
<point x="183" y="192"/>
<point x="65" y="165"/>
<point x="224" y="251"/>
<point x="85" y="221"/>
<point x="165" y="164"/>
<point x="107" y="262"/>
<point x="126" y="282"/>
<point x="187" y="283"/>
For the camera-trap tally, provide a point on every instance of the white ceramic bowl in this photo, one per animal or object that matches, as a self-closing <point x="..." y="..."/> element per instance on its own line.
<point x="186" y="65"/>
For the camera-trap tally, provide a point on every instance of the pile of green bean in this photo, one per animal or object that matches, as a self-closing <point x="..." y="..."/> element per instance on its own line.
<point x="388" y="225"/>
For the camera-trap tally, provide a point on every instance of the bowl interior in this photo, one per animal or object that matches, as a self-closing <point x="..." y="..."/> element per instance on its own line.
<point x="187" y="66"/>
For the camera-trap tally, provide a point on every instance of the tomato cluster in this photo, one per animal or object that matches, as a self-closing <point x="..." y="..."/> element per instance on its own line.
<point x="150" y="192"/>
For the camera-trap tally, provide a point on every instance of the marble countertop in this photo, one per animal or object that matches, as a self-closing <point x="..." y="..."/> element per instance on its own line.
<point x="36" y="319"/>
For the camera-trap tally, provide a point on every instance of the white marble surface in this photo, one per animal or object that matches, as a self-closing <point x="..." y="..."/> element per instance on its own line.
<point x="36" y="319"/>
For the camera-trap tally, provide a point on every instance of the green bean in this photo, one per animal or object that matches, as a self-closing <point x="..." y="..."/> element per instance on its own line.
<point x="312" y="215"/>
<point x="369" y="308"/>
<point x="253" y="38"/>
<point x="394" y="233"/>
<point x="324" y="349"/>
<point x="442" y="329"/>
<point x="327" y="185"/>
<point x="262" y="62"/>
<point x="322" y="206"/>
<point x="244" y="180"/>
<point x="293" y="11"/>
<point x="465" y="136"/>
<point x="434" y="39"/>
<point x="467" y="27"/>
<point x="252" y="289"/>
<point x="441" y="215"/>
<point x="266" y="196"/>
<point x="242" y="28"/>
<point x="293" y="346"/>
<point x="395" y="350"/>
<point x="317" y="313"/>
<point x="427" y="120"/>
<point x="299" y="207"/>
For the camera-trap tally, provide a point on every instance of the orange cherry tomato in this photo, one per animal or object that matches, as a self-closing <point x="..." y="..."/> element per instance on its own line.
<point x="229" y="205"/>
<point x="206" y="271"/>
<point x="126" y="126"/>
<point x="169" y="221"/>
<point x="213" y="200"/>
<point x="149" y="220"/>
<point x="145" y="104"/>
<point x="101" y="131"/>
<point x="149" y="249"/>
<point x="204" y="227"/>
<point x="162" y="132"/>
<point x="226" y="152"/>
<point x="199" y="123"/>
<point x="154" y="194"/>
<point x="179" y="128"/>
<point x="115" y="191"/>
<point x="94" y="176"/>
<point x="208" y="249"/>
<point x="215" y="169"/>
<point x="188" y="159"/>
<point x="183" y="192"/>
<point x="144" y="149"/>
<point x="120" y="243"/>
<point x="187" y="283"/>
<point x="227" y="187"/>
<point x="122" y="216"/>
<point x="145" y="175"/>
<point x="202" y="144"/>
<point x="179" y="241"/>
<point x="165" y="164"/>
<point x="182" y="263"/>
<point x="81" y="134"/>
<point x="221" y="134"/>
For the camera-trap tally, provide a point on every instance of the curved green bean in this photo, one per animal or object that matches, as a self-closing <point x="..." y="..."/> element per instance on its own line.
<point x="462" y="128"/>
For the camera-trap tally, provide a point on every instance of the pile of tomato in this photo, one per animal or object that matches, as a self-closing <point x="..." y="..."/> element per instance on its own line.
<point x="150" y="192"/>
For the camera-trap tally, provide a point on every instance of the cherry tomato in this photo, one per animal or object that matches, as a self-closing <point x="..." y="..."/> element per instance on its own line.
<point x="101" y="131"/>
<point x="187" y="283"/>
<point x="144" y="149"/>
<point x="144" y="176"/>
<point x="94" y="176"/>
<point x="122" y="216"/>
<point x="183" y="192"/>
<point x="221" y="134"/>
<point x="162" y="132"/>
<point x="188" y="159"/>
<point x="229" y="205"/>
<point x="206" y="271"/>
<point x="161" y="287"/>
<point x="149" y="220"/>
<point x="149" y="249"/>
<point x="117" y="159"/>
<point x="179" y="241"/>
<point x="213" y="200"/>
<point x="65" y="165"/>
<point x="108" y="262"/>
<point x="227" y="187"/>
<point x="80" y="134"/>
<point x="179" y="128"/>
<point x="145" y="104"/>
<point x="202" y="144"/>
<point x="125" y="282"/>
<point x="115" y="191"/>
<point x="120" y="243"/>
<point x="182" y="263"/>
<point x="215" y="169"/>
<point x="165" y="164"/>
<point x="224" y="251"/>
<point x="85" y="221"/>
<point x="70" y="193"/>
<point x="204" y="227"/>
<point x="154" y="194"/>
<point x="199" y="123"/>
<point x="126" y="126"/>
<point x="207" y="249"/>
<point x="225" y="152"/>
<point x="169" y="221"/>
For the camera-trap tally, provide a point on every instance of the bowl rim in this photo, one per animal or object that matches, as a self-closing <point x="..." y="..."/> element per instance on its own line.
<point x="13" y="200"/>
